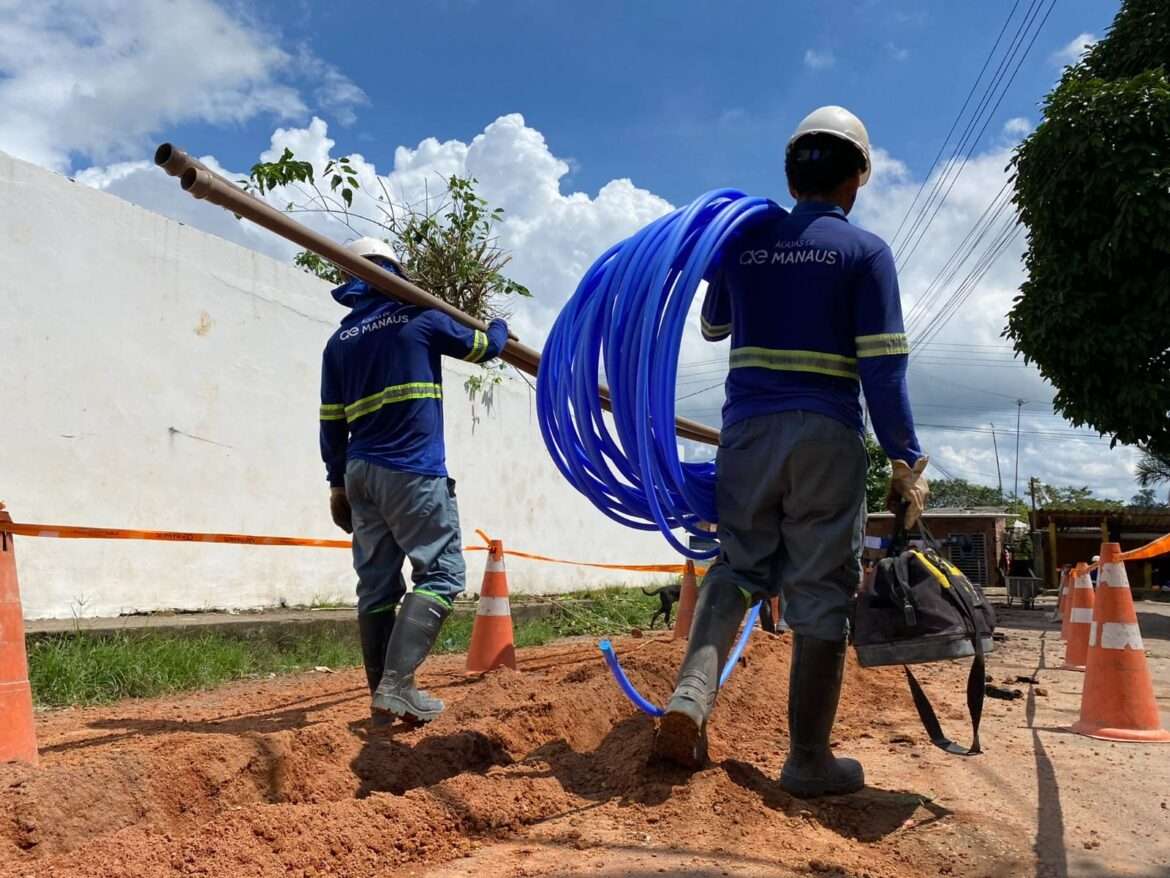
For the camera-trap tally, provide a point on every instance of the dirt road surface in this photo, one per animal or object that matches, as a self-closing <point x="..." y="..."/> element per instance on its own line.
<point x="543" y="772"/>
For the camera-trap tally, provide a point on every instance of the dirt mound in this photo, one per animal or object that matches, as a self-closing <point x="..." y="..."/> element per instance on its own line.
<point x="287" y="777"/>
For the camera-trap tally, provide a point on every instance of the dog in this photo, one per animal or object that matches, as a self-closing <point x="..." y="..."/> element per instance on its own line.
<point x="668" y="596"/>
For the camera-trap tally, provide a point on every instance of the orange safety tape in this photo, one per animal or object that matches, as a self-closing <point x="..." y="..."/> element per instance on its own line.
<point x="634" y="568"/>
<point x="1152" y="549"/>
<point x="69" y="532"/>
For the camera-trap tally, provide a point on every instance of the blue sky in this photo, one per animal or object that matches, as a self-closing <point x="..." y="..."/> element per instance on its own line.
<point x="679" y="96"/>
<point x="556" y="107"/>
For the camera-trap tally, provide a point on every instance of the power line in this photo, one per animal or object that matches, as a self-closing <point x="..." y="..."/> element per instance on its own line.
<point x="1037" y="434"/>
<point x="697" y="392"/>
<point x="971" y="143"/>
<point x="969" y="284"/>
<point x="965" y="247"/>
<point x="954" y="124"/>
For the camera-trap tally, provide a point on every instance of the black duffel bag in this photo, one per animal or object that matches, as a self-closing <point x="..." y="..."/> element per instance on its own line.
<point x="918" y="607"/>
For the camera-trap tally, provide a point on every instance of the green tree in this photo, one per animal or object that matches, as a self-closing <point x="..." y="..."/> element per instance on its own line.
<point x="1070" y="497"/>
<point x="1093" y="188"/>
<point x="961" y="493"/>
<point x="1144" y="499"/>
<point x="447" y="242"/>
<point x="1153" y="469"/>
<point x="877" y="478"/>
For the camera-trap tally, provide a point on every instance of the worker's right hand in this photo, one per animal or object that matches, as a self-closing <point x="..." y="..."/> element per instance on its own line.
<point x="508" y="332"/>
<point x="340" y="510"/>
<point x="908" y="485"/>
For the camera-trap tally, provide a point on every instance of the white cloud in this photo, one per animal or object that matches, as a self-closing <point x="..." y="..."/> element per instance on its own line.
<point x="98" y="78"/>
<point x="1074" y="50"/>
<point x="822" y="59"/>
<point x="334" y="91"/>
<point x="1017" y="128"/>
<point x="898" y="53"/>
<point x="964" y="382"/>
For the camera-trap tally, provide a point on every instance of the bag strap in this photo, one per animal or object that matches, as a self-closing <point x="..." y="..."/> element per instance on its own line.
<point x="976" y="680"/>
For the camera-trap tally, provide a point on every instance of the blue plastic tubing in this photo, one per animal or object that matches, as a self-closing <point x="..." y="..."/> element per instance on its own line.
<point x="627" y="318"/>
<point x="640" y="701"/>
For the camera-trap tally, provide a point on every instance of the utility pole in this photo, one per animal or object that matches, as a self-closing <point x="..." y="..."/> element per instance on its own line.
<point x="1020" y="403"/>
<point x="998" y="472"/>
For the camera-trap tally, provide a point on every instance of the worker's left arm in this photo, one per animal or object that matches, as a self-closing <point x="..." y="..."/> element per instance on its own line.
<point x="473" y="345"/>
<point x="334" y="427"/>
<point x="883" y="356"/>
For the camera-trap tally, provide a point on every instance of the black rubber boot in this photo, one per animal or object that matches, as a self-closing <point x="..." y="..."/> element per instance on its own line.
<point x="415" y="632"/>
<point x="814" y="688"/>
<point x="682" y="732"/>
<point x="375" y="629"/>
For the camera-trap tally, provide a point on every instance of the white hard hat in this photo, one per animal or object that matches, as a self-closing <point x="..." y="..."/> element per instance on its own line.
<point x="372" y="247"/>
<point x="838" y="122"/>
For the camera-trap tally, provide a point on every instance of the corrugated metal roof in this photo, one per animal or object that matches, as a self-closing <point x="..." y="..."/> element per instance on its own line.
<point x="1127" y="518"/>
<point x="956" y="512"/>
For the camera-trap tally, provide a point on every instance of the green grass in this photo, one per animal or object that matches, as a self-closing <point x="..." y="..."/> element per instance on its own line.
<point x="83" y="668"/>
<point x="93" y="668"/>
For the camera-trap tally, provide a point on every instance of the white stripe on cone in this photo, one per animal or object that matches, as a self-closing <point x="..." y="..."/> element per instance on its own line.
<point x="494" y="566"/>
<point x="493" y="607"/>
<point x="1083" y="581"/>
<point x="1081" y="615"/>
<point x="1093" y="634"/>
<point x="1113" y="575"/>
<point x="1121" y="635"/>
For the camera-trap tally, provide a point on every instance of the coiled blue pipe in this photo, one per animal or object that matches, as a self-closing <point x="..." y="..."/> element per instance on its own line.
<point x="645" y="705"/>
<point x="627" y="316"/>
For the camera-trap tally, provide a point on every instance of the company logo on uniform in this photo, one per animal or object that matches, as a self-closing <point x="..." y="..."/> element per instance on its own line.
<point x="790" y="253"/>
<point x="373" y="324"/>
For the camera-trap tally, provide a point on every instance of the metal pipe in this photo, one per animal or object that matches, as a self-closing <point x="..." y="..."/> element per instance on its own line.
<point x="202" y="183"/>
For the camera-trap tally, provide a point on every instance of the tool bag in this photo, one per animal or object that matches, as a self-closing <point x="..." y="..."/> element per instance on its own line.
<point x="918" y="607"/>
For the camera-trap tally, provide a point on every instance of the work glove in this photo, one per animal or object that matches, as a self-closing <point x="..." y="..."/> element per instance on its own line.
<point x="339" y="509"/>
<point x="908" y="485"/>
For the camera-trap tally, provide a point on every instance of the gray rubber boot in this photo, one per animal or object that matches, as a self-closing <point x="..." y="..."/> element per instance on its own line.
<point x="682" y="731"/>
<point x="375" y="629"/>
<point x="814" y="688"/>
<point x="415" y="632"/>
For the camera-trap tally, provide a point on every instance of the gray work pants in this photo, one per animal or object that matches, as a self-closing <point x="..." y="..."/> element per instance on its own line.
<point x="790" y="491"/>
<point x="399" y="515"/>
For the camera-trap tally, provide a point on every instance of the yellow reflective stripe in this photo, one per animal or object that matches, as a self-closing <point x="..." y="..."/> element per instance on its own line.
<point x="390" y="395"/>
<point x="478" y="347"/>
<point x="710" y="330"/>
<point x="934" y="571"/>
<point x="817" y="362"/>
<point x="884" y="345"/>
<point x="332" y="412"/>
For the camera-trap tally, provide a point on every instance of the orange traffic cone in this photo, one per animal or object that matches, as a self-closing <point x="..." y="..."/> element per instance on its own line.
<point x="1065" y="601"/>
<point x="491" y="637"/>
<point x="1118" y="700"/>
<point x="1059" y="608"/>
<point x="687" y="598"/>
<point x="18" y="737"/>
<point x="1080" y="620"/>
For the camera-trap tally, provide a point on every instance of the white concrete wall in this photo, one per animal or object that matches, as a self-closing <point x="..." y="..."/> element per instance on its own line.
<point x="157" y="377"/>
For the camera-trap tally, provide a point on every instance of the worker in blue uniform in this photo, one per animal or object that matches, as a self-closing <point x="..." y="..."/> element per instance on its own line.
<point x="382" y="443"/>
<point x="811" y="305"/>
